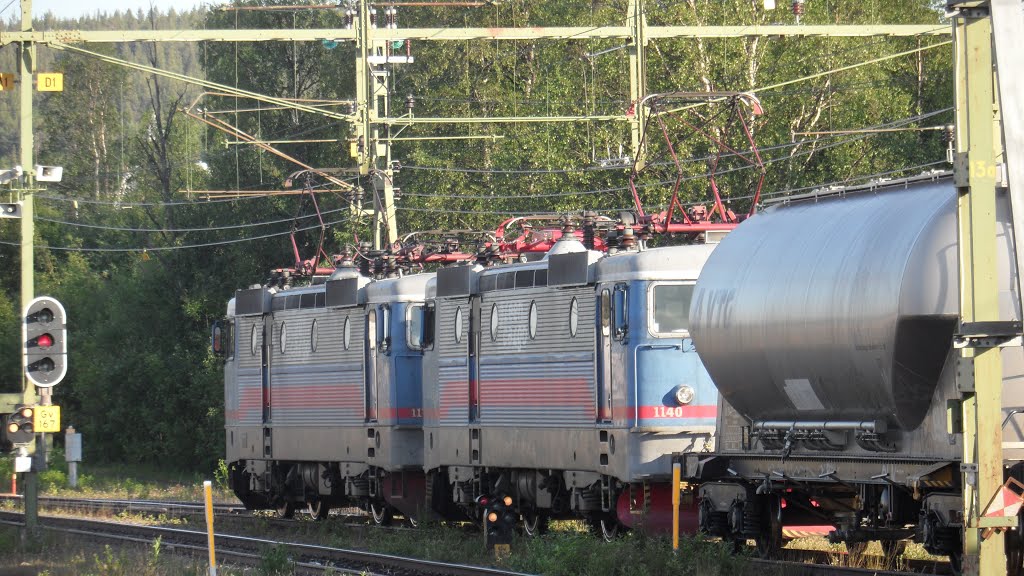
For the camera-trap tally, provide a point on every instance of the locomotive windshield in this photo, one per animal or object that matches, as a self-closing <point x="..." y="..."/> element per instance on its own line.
<point x="670" y="312"/>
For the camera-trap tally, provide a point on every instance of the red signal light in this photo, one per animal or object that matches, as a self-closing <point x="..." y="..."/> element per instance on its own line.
<point x="44" y="341"/>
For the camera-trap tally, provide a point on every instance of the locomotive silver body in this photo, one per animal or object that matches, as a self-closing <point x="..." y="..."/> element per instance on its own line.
<point x="547" y="382"/>
<point x="323" y="395"/>
<point x="827" y="325"/>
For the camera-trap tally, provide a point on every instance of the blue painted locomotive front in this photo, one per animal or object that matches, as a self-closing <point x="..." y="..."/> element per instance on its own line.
<point x="669" y="386"/>
<point x="405" y="361"/>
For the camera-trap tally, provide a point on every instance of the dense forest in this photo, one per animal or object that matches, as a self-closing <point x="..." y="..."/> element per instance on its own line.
<point x="144" y="261"/>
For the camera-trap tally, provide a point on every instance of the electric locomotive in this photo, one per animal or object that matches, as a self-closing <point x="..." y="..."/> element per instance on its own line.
<point x="827" y="324"/>
<point x="323" y="395"/>
<point x="566" y="384"/>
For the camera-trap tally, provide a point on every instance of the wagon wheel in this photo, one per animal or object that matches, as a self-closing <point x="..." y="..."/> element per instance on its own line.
<point x="535" y="523"/>
<point x="956" y="562"/>
<point x="856" y="549"/>
<point x="893" y="549"/>
<point x="319" y="508"/>
<point x="1014" y="553"/>
<point x="382" y="514"/>
<point x="769" y="536"/>
<point x="286" y="509"/>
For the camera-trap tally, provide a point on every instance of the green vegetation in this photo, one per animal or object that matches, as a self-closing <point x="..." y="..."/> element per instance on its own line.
<point x="71" y="558"/>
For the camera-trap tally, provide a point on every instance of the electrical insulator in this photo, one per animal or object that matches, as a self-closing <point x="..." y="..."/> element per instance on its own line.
<point x="350" y="16"/>
<point x="798" y="9"/>
<point x="373" y="17"/>
<point x="410" y="103"/>
<point x="949" y="137"/>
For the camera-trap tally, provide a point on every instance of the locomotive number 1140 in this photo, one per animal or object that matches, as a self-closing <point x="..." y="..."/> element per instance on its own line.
<point x="668" y="411"/>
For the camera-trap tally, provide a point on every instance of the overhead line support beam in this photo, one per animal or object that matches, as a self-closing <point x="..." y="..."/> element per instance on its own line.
<point x="447" y="34"/>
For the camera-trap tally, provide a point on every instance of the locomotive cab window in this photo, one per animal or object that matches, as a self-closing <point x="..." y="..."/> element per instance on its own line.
<point x="222" y="338"/>
<point x="427" y="326"/>
<point x="620" y="312"/>
<point x="384" y="327"/>
<point x="670" y="310"/>
<point x="414" y="322"/>
<point x="229" y="338"/>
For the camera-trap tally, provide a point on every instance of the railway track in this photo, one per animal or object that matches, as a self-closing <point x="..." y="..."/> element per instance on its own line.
<point x="798" y="562"/>
<point x="307" y="558"/>
<point x="180" y="509"/>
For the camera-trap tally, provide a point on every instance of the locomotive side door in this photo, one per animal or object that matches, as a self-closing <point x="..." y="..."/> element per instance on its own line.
<point x="604" y="353"/>
<point x="267" y="329"/>
<point x="267" y="336"/>
<point x="474" y="359"/>
<point x="370" y="365"/>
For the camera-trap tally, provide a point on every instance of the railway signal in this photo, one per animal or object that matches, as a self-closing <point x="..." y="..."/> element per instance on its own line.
<point x="499" y="523"/>
<point x="44" y="342"/>
<point x="19" y="429"/>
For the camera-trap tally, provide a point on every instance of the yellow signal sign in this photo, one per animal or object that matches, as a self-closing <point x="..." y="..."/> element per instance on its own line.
<point x="6" y="81"/>
<point x="46" y="419"/>
<point x="50" y="82"/>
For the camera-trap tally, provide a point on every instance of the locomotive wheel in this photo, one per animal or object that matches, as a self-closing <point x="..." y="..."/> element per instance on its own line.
<point x="382" y="514"/>
<point x="319" y="508"/>
<point x="535" y="523"/>
<point x="605" y="526"/>
<point x="286" y="509"/>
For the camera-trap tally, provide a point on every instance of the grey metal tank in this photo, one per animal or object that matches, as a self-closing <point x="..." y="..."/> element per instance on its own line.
<point x="838" y="311"/>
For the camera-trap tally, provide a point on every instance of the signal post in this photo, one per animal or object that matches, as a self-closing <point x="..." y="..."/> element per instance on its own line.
<point x="26" y="67"/>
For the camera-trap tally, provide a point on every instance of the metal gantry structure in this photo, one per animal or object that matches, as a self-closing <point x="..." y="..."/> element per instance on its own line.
<point x="372" y="122"/>
<point x="988" y="141"/>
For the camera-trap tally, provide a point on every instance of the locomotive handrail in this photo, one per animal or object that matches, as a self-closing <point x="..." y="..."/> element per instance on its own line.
<point x="1013" y="412"/>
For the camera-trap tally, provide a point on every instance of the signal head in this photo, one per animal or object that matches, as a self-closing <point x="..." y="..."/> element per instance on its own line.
<point x="44" y="341"/>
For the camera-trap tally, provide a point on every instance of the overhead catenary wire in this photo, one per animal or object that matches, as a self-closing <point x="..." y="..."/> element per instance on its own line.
<point x="776" y="194"/>
<point x="181" y="247"/>
<point x="767" y="161"/>
<point x="251" y="195"/>
<point x="203" y="229"/>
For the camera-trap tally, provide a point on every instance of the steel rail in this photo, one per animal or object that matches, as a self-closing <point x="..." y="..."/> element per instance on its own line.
<point x="341" y="558"/>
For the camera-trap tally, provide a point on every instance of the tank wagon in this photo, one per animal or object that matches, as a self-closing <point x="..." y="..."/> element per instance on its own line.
<point x="323" y="395"/>
<point x="565" y="383"/>
<point x="828" y="326"/>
